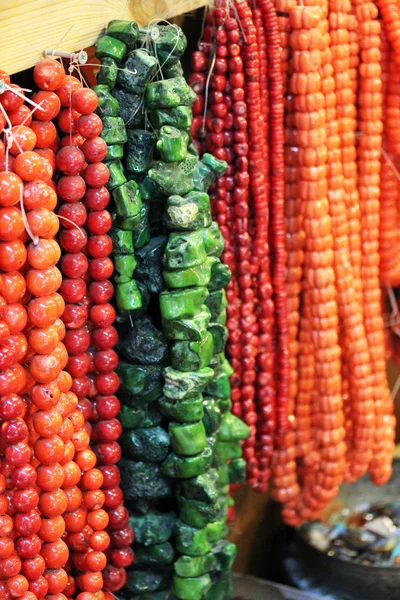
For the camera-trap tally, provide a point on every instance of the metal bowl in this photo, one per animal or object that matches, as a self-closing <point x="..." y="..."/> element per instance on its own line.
<point x="337" y="579"/>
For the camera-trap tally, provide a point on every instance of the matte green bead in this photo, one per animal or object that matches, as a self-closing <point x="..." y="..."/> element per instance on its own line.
<point x="179" y="385"/>
<point x="212" y="415"/>
<point x="208" y="169"/>
<point x="187" y="439"/>
<point x="139" y="150"/>
<point x="122" y="241"/>
<point x="213" y="240"/>
<point x="224" y="475"/>
<point x="188" y="213"/>
<point x="188" y="329"/>
<point x="198" y="514"/>
<point x="204" y="487"/>
<point x="185" y="250"/>
<point x="220" y="276"/>
<point x="153" y="528"/>
<point x="146" y="445"/>
<point x="144" y="581"/>
<point x="117" y="177"/>
<point x="233" y="429"/>
<point x="189" y="410"/>
<point x="193" y="276"/>
<point x="221" y="587"/>
<point x="133" y="418"/>
<point x="150" y="191"/>
<point x="228" y="451"/>
<point x="141" y="234"/>
<point x="169" y="44"/>
<point x="193" y="566"/>
<point x="114" y="131"/>
<point x="127" y="200"/>
<point x="142" y="343"/>
<point x="124" y="267"/>
<point x="149" y="268"/>
<point x="172" y="143"/>
<point x="154" y="556"/>
<point x="180" y="117"/>
<point x="140" y="480"/>
<point x="175" y="70"/>
<point x="115" y="152"/>
<point x="224" y="404"/>
<point x="179" y="304"/>
<point x="175" y="177"/>
<point x="108" y="105"/>
<point x="131" y="108"/>
<point x="127" y="296"/>
<point x="190" y="540"/>
<point x="169" y="93"/>
<point x="126" y="31"/>
<point x="136" y="71"/>
<point x="237" y="470"/>
<point x="219" y="334"/>
<point x="191" y="356"/>
<point x="140" y="384"/>
<point x="184" y="467"/>
<point x="108" y="72"/>
<point x="111" y="47"/>
<point x="191" y="588"/>
<point x="219" y="386"/>
<point x="216" y="531"/>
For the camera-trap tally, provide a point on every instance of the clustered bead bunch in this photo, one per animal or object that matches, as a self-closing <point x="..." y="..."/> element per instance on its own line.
<point x="60" y="501"/>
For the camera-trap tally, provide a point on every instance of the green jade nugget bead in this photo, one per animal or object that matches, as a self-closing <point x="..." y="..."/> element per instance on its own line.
<point x="169" y="42"/>
<point x="216" y="303"/>
<point x="126" y="31"/>
<point x="221" y="587"/>
<point x="140" y="150"/>
<point x="220" y="276"/>
<point x="179" y="385"/>
<point x="187" y="439"/>
<point x="117" y="177"/>
<point x="169" y="93"/>
<point x="198" y="514"/>
<point x="122" y="241"/>
<point x="134" y="418"/>
<point x="131" y="108"/>
<point x="175" y="177"/>
<point x="127" y="296"/>
<point x="212" y="415"/>
<point x="137" y="70"/>
<point x="185" y="467"/>
<point x="141" y="234"/>
<point x="172" y="144"/>
<point x="188" y="410"/>
<point x="233" y="429"/>
<point x="146" y="445"/>
<point x="237" y="470"/>
<point x="127" y="200"/>
<point x="144" y="383"/>
<point x="191" y="356"/>
<point x="180" y="117"/>
<point x="175" y="70"/>
<point x="185" y="250"/>
<point x="220" y="336"/>
<point x="150" y="191"/>
<point x="149" y="267"/>
<point x="188" y="213"/>
<point x="124" y="267"/>
<point x="140" y="480"/>
<point x="154" y="556"/>
<point x="108" y="105"/>
<point x="153" y="528"/>
<point x="183" y="303"/>
<point x="190" y="540"/>
<point x="219" y="386"/>
<point x="213" y="240"/>
<point x="208" y="169"/>
<point x="114" y="131"/>
<point x="191" y="588"/>
<point x="108" y="72"/>
<point x="142" y="581"/>
<point x="193" y="566"/>
<point x="194" y="328"/>
<point x="115" y="152"/>
<point x="202" y="488"/>
<point x="193" y="276"/>
<point x="110" y="47"/>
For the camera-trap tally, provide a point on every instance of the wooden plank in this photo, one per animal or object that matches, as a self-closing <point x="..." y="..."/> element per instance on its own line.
<point x="28" y="28"/>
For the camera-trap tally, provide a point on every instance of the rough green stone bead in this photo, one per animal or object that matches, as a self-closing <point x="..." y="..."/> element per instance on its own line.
<point x="187" y="213"/>
<point x="191" y="588"/>
<point x="212" y="415"/>
<point x="169" y="93"/>
<point x="220" y="386"/>
<point x="220" y="276"/>
<point x="141" y="234"/>
<point x="138" y="69"/>
<point x="140" y="384"/>
<point x="111" y="47"/>
<point x="187" y="439"/>
<point x="144" y="581"/>
<point x="117" y="177"/>
<point x="169" y="44"/>
<point x="191" y="356"/>
<point x="127" y="200"/>
<point x="193" y="566"/>
<point x="150" y="191"/>
<point x="154" y="556"/>
<point x="233" y="429"/>
<point x="142" y="343"/>
<point x="115" y="152"/>
<point x="184" y="467"/>
<point x="175" y="70"/>
<point x="176" y="177"/>
<point x="122" y="241"/>
<point x="198" y="514"/>
<point x="204" y="487"/>
<point x="143" y="480"/>
<point x="188" y="329"/>
<point x="153" y="528"/>
<point x="185" y="250"/>
<point x="237" y="470"/>
<point x="108" y="105"/>
<point x="228" y="450"/>
<point x="131" y="108"/>
<point x="124" y="267"/>
<point x="145" y="445"/>
<point x="172" y="144"/>
<point x="208" y="169"/>
<point x="224" y="474"/>
<point x="183" y="303"/>
<point x="126" y="31"/>
<point x="213" y="240"/>
<point x="133" y="418"/>
<point x="189" y="410"/>
<point x="180" y="117"/>
<point x="220" y="336"/>
<point x="216" y="531"/>
<point x="108" y="72"/>
<point x="179" y="385"/>
<point x="221" y="587"/>
<point x="127" y="296"/>
<point x="149" y="268"/>
<point x="224" y="404"/>
<point x="114" y="131"/>
<point x="140" y="150"/>
<point x="193" y="276"/>
<point x="190" y="540"/>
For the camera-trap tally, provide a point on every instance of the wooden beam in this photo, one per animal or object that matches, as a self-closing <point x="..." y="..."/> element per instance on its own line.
<point x="29" y="27"/>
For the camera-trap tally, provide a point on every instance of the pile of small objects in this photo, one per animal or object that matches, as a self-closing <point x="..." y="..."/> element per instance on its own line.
<point x="368" y="535"/>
